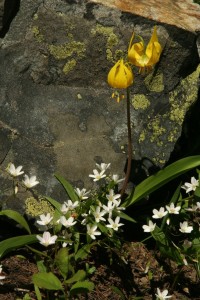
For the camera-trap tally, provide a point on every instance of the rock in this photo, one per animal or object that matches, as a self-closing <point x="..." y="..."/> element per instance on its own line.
<point x="184" y="14"/>
<point x="54" y="64"/>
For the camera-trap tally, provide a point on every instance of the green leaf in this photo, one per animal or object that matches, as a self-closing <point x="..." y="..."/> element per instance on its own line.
<point x="37" y="292"/>
<point x="154" y="182"/>
<point x="82" y="287"/>
<point x="118" y="292"/>
<point x="47" y="281"/>
<point x="55" y="203"/>
<point x="83" y="252"/>
<point x="126" y="217"/>
<point x="16" y="242"/>
<point x="78" y="276"/>
<point x="68" y="188"/>
<point x="62" y="261"/>
<point x="16" y="217"/>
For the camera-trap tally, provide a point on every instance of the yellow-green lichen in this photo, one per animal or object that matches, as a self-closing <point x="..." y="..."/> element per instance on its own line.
<point x="140" y="101"/>
<point x="66" y="50"/>
<point x="142" y="136"/>
<point x="154" y="83"/>
<point x="157" y="131"/>
<point x="183" y="97"/>
<point x="111" y="39"/>
<point x="69" y="66"/>
<point x="38" y="36"/>
<point x="34" y="207"/>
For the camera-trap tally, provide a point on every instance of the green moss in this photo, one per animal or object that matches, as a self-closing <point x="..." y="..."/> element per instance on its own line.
<point x="140" y="101"/>
<point x="38" y="36"/>
<point x="66" y="50"/>
<point x="183" y="97"/>
<point x="69" y="66"/>
<point x="154" y="83"/>
<point x="111" y="39"/>
<point x="34" y="207"/>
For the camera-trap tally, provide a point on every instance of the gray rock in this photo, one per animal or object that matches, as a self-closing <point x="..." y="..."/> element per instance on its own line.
<point x="54" y="95"/>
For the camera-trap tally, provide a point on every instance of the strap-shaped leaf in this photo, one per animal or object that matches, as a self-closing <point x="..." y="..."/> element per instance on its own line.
<point x="68" y="187"/>
<point x="12" y="214"/>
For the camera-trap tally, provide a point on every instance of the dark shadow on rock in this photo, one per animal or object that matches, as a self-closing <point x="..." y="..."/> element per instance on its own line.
<point x="11" y="8"/>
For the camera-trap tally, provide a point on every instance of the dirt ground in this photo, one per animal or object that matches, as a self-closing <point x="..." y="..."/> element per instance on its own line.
<point x="132" y="274"/>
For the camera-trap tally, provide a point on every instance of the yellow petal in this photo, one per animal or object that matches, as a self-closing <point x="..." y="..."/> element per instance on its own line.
<point x="120" y="75"/>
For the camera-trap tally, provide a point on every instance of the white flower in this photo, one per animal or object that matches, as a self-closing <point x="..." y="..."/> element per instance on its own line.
<point x="67" y="222"/>
<point x="150" y="227"/>
<point x="117" y="207"/>
<point x="114" y="224"/>
<point x="14" y="171"/>
<point x="45" y="219"/>
<point x="47" y="239"/>
<point x="158" y="214"/>
<point x="198" y="205"/>
<point x="162" y="295"/>
<point x="109" y="208"/>
<point x="1" y="277"/>
<point x="82" y="193"/>
<point x="184" y="228"/>
<point x="64" y="244"/>
<point x="30" y="182"/>
<point x="69" y="205"/>
<point x="112" y="197"/>
<point x="97" y="175"/>
<point x="99" y="214"/>
<point x="172" y="209"/>
<point x="103" y="166"/>
<point x="91" y="231"/>
<point x="188" y="187"/>
<point x="116" y="179"/>
<point x="193" y="208"/>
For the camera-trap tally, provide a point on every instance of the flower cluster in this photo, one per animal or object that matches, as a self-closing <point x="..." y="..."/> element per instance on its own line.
<point x="93" y="212"/>
<point x="121" y="76"/>
<point x="28" y="182"/>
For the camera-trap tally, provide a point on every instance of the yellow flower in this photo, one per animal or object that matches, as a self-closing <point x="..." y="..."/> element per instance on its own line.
<point x="120" y="75"/>
<point x="143" y="57"/>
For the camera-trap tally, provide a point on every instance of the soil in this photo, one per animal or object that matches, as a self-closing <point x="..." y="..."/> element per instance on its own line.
<point x="132" y="274"/>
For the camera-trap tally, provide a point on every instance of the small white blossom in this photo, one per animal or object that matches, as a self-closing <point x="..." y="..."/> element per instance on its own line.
<point x="99" y="214"/>
<point x="188" y="187"/>
<point x="97" y="175"/>
<point x="114" y="224"/>
<point x="184" y="228"/>
<point x="158" y="214"/>
<point x="172" y="209"/>
<point x="103" y="166"/>
<point x="116" y="179"/>
<point x="12" y="170"/>
<point x="112" y="197"/>
<point x="109" y="208"/>
<point x="91" y="231"/>
<point x="193" y="208"/>
<point x="69" y="205"/>
<point x="150" y="227"/>
<point x="45" y="219"/>
<point x="117" y="206"/>
<point x="30" y="182"/>
<point x="64" y="244"/>
<point x="1" y="277"/>
<point x="67" y="222"/>
<point x="47" y="239"/>
<point x="83" y="194"/>
<point x="162" y="295"/>
<point x="198" y="205"/>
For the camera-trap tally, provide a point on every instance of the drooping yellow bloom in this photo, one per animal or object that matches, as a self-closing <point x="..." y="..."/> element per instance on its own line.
<point x="145" y="57"/>
<point x="120" y="75"/>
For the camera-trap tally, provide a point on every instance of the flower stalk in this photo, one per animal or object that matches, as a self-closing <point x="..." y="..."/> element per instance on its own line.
<point x="129" y="161"/>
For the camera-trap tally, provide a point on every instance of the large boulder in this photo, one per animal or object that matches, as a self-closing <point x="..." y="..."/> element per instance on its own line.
<point x="57" y="114"/>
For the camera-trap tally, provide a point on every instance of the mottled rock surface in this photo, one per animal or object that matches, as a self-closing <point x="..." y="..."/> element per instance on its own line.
<point x="181" y="13"/>
<point x="56" y="106"/>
